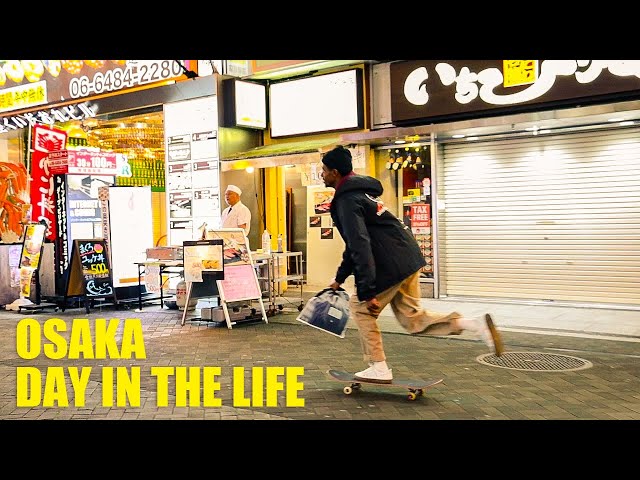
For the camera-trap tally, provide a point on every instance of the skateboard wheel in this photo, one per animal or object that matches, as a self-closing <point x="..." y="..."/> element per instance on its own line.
<point x="347" y="390"/>
<point x="412" y="396"/>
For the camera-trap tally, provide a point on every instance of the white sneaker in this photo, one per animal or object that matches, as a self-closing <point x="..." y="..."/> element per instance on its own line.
<point x="483" y="332"/>
<point x="375" y="374"/>
<point x="490" y="335"/>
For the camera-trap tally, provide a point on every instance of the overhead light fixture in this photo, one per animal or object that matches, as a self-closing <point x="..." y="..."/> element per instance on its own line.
<point x="400" y="142"/>
<point x="458" y="135"/>
<point x="626" y="123"/>
<point x="249" y="169"/>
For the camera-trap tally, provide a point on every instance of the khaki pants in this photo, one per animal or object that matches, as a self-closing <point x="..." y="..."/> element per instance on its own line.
<point x="404" y="298"/>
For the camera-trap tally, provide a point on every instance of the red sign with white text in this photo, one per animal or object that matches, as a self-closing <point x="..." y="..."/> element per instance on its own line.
<point x="58" y="162"/>
<point x="45" y="140"/>
<point x="420" y="218"/>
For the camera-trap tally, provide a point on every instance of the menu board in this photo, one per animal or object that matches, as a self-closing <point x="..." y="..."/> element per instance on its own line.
<point x="90" y="273"/>
<point x="240" y="283"/>
<point x="201" y="256"/>
<point x="240" y="280"/>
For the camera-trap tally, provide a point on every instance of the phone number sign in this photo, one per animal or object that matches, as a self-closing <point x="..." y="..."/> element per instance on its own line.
<point x="134" y="73"/>
<point x="29" y="83"/>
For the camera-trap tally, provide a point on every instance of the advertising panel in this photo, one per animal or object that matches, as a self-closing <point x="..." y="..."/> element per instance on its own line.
<point x="29" y="83"/>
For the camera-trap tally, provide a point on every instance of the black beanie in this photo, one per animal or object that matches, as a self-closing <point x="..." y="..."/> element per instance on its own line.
<point x="340" y="159"/>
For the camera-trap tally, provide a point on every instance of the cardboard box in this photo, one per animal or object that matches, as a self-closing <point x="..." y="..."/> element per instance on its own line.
<point x="215" y="314"/>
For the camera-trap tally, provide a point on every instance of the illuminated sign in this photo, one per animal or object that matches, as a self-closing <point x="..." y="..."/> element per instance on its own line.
<point x="23" y="96"/>
<point x="439" y="90"/>
<point x="27" y="83"/>
<point x="79" y="111"/>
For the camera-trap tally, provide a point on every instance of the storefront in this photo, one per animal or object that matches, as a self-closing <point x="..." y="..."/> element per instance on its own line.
<point x="535" y="174"/>
<point x="130" y="127"/>
<point x="306" y="116"/>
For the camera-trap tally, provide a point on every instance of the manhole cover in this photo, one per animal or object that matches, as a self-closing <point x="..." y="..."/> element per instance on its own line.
<point x="535" y="361"/>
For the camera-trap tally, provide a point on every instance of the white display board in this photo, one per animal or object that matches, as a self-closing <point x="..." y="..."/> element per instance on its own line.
<point x="323" y="238"/>
<point x="192" y="167"/>
<point x="130" y="232"/>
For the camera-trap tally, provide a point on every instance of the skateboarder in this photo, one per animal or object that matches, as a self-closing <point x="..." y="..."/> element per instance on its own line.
<point x="385" y="259"/>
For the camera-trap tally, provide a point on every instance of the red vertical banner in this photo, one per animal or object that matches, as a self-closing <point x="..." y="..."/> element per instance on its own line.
<point x="45" y="140"/>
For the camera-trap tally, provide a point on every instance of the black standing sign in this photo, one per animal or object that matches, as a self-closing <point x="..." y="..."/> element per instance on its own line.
<point x="90" y="273"/>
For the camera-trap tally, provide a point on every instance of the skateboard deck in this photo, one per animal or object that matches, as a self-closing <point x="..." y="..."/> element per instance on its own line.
<point x="416" y="387"/>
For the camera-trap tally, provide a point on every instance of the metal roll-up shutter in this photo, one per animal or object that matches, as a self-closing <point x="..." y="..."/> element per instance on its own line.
<point x="544" y="217"/>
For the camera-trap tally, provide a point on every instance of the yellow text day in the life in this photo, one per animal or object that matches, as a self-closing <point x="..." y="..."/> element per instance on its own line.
<point x="193" y="386"/>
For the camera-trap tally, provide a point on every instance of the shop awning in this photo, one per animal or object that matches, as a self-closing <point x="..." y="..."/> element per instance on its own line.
<point x="279" y="154"/>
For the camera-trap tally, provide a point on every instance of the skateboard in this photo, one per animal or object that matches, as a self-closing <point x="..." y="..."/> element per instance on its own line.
<point x="416" y="387"/>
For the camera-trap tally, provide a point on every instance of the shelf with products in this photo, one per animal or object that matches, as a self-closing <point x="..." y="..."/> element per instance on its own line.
<point x="416" y="202"/>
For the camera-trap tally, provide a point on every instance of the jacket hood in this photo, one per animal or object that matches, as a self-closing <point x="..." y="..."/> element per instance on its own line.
<point x="363" y="183"/>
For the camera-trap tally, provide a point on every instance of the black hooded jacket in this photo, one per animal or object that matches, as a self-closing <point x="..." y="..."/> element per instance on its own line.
<point x="380" y="250"/>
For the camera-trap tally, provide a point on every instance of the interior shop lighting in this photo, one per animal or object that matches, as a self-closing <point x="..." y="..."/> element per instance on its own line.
<point x="249" y="169"/>
<point x="391" y="161"/>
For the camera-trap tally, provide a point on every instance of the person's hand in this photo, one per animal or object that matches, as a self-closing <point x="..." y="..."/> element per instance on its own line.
<point x="373" y="305"/>
<point x="334" y="285"/>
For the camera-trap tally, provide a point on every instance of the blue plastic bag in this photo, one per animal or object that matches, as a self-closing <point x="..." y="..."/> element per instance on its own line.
<point x="327" y="310"/>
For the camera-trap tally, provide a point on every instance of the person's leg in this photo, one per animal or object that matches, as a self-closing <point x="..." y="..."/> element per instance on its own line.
<point x="407" y="307"/>
<point x="371" y="338"/>
<point x="370" y="335"/>
<point x="412" y="316"/>
<point x="485" y="329"/>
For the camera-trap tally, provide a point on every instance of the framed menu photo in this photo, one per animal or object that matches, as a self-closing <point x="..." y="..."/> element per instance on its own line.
<point x="203" y="256"/>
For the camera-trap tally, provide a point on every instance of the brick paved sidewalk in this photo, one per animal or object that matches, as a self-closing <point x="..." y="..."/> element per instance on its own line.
<point x="609" y="390"/>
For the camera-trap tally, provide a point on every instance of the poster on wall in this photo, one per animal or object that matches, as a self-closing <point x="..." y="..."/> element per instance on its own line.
<point x="322" y="239"/>
<point x="322" y="200"/>
<point x="420" y="218"/>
